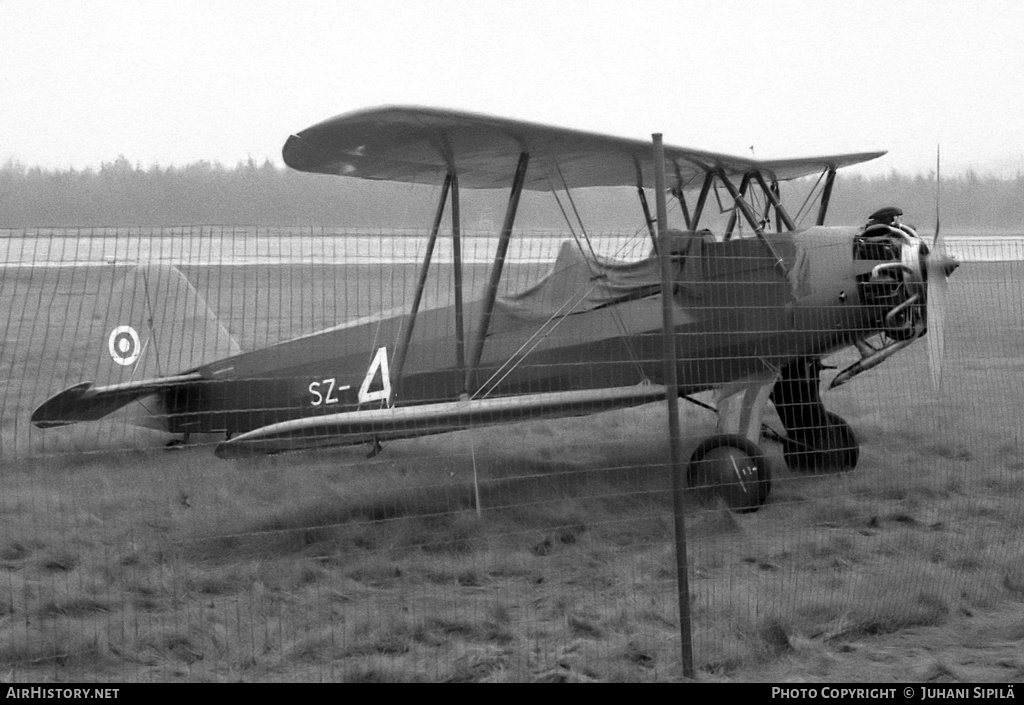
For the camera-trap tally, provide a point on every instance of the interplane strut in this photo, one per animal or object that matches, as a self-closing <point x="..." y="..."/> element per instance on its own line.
<point x="499" y="264"/>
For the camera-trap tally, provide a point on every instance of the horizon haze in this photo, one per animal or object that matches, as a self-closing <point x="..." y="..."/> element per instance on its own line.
<point x="173" y="83"/>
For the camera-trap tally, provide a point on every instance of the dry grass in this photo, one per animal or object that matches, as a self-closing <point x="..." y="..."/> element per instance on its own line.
<point x="143" y="564"/>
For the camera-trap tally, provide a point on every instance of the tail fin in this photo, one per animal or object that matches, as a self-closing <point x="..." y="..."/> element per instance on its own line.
<point x="158" y="324"/>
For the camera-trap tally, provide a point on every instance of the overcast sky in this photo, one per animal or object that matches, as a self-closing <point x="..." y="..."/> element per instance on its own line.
<point x="179" y="81"/>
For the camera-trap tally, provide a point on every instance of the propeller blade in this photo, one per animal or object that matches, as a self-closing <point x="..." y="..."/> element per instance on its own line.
<point x="938" y="188"/>
<point x="936" y="313"/>
<point x="936" y="292"/>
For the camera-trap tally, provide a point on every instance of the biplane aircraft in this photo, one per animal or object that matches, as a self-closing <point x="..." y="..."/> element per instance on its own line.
<point x="754" y="316"/>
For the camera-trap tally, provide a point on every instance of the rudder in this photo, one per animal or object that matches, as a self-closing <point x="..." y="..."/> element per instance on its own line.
<point x="157" y="324"/>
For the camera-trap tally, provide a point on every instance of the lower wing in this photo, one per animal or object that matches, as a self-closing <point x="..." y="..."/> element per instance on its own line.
<point x="353" y="427"/>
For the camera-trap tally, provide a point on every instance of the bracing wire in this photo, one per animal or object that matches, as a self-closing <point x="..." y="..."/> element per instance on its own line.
<point x="616" y="314"/>
<point x="800" y="215"/>
<point x="539" y="335"/>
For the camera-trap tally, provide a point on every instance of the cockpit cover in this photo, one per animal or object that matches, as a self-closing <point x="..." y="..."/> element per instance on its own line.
<point x="578" y="282"/>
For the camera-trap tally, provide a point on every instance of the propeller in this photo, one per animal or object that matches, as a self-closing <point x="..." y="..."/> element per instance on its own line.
<point x="939" y="266"/>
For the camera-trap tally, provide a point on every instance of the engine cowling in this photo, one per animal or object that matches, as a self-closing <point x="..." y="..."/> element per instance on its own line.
<point x="908" y="273"/>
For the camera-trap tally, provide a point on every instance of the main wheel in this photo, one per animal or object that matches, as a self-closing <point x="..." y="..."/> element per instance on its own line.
<point x="832" y="447"/>
<point x="733" y="468"/>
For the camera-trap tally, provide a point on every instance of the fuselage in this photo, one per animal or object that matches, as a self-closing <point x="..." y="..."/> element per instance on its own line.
<point x="737" y="314"/>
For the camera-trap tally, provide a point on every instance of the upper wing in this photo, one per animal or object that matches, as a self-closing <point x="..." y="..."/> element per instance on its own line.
<point x="422" y="144"/>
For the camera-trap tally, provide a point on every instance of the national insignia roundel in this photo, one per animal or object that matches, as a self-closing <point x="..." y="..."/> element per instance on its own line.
<point x="124" y="345"/>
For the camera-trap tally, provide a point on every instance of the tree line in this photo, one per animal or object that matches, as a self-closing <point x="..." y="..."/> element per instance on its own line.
<point x="121" y="194"/>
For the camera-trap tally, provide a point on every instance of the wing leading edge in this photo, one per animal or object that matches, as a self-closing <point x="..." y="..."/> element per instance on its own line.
<point x="421" y="145"/>
<point x="351" y="427"/>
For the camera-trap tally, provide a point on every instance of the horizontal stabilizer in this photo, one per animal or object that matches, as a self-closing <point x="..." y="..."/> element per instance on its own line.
<point x="87" y="402"/>
<point x="351" y="427"/>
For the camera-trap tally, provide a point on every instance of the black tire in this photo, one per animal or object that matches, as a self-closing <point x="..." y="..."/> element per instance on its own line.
<point x="831" y="448"/>
<point x="732" y="468"/>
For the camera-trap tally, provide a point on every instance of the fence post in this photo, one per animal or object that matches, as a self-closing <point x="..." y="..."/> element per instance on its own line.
<point x="672" y="397"/>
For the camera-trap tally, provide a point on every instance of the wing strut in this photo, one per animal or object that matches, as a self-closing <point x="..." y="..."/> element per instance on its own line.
<point x="680" y="195"/>
<point x="744" y="185"/>
<point x="499" y="263"/>
<point x="773" y="197"/>
<point x="460" y="324"/>
<point x="643" y="204"/>
<point x="751" y="217"/>
<point x="705" y="189"/>
<point x="403" y="346"/>
<point x="826" y="195"/>
<point x="778" y="196"/>
<point x="766" y="218"/>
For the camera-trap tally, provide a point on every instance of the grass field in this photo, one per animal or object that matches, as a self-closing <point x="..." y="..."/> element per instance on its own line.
<point x="122" y="561"/>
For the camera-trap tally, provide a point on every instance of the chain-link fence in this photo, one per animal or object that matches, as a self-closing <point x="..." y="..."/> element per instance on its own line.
<point x="537" y="548"/>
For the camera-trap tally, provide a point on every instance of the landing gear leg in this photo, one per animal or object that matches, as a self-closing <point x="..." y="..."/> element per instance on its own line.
<point x="817" y="440"/>
<point x="730" y="464"/>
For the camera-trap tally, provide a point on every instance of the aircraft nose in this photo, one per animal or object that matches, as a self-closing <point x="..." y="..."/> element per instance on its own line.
<point x="947" y="264"/>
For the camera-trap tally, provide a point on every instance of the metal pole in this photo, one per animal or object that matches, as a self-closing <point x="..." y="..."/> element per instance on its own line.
<point x="672" y="395"/>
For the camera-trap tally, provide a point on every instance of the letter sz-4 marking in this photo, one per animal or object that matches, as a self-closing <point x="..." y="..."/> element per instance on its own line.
<point x="376" y="384"/>
<point x="326" y="391"/>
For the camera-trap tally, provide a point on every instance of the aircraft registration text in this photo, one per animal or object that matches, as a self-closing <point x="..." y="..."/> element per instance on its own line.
<point x="326" y="391"/>
<point x="330" y="395"/>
